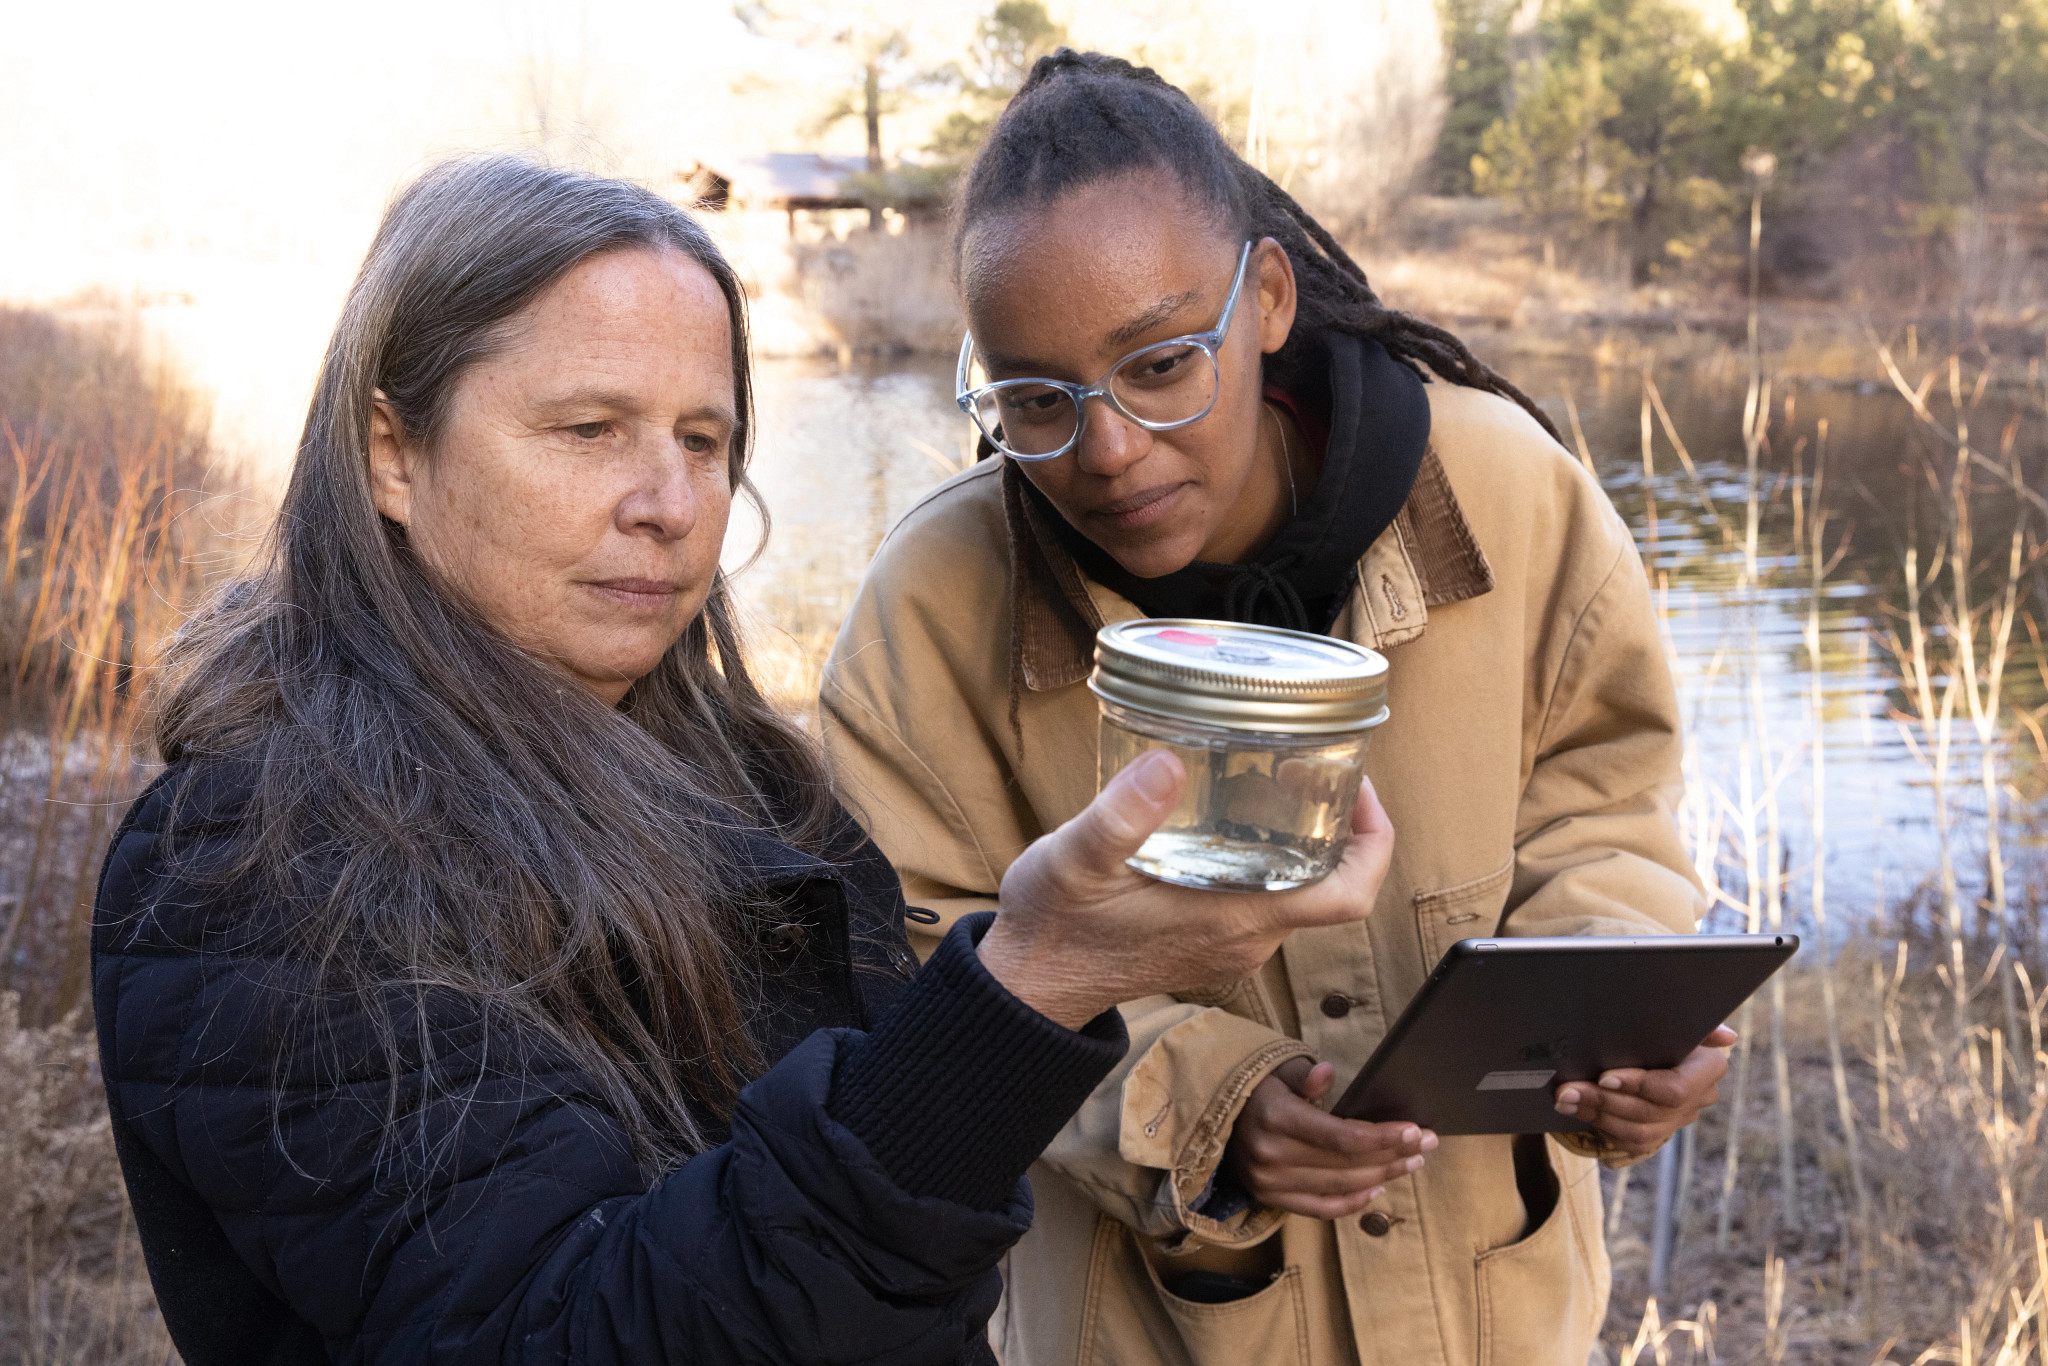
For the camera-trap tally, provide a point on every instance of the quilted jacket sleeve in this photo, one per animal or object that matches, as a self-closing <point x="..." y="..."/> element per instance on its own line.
<point x="849" y="1217"/>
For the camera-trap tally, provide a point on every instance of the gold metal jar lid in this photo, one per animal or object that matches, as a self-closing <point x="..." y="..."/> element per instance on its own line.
<point x="1219" y="673"/>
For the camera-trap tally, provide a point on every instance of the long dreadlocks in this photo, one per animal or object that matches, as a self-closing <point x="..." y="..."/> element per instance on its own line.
<point x="1081" y="117"/>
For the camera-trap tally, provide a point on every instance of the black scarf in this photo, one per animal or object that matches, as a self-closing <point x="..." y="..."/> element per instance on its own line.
<point x="1379" y="431"/>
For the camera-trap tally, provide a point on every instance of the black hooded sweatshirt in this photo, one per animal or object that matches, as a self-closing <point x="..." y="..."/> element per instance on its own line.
<point x="1368" y="415"/>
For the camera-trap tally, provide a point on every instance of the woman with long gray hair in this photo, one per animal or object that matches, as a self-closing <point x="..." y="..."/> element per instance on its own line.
<point x="491" y="974"/>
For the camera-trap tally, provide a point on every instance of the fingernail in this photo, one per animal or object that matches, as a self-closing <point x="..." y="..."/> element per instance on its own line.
<point x="1429" y="1143"/>
<point x="1375" y="1193"/>
<point x="1154" y="774"/>
<point x="1567" y="1105"/>
<point x="1410" y="1134"/>
<point x="1611" y="1083"/>
<point x="1567" y="1099"/>
<point x="1413" y="1164"/>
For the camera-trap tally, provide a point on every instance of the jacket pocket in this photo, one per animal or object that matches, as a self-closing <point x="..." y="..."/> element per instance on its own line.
<point x="1269" y="1327"/>
<point x="1541" y="1299"/>
<point x="1132" y="1319"/>
<point x="1467" y="910"/>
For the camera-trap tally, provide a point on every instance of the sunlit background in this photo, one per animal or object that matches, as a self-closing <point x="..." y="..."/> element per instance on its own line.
<point x="221" y="166"/>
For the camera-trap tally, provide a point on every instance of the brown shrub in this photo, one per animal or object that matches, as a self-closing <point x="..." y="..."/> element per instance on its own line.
<point x="72" y="1284"/>
<point x="101" y="457"/>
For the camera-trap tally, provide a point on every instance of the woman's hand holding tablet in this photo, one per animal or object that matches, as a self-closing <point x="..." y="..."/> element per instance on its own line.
<point x="1638" y="1108"/>
<point x="1291" y="1155"/>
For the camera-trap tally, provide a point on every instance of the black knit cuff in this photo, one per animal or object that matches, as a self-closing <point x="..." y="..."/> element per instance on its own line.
<point x="961" y="1085"/>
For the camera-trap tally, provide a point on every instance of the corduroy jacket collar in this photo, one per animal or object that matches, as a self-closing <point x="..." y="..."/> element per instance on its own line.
<point x="1427" y="558"/>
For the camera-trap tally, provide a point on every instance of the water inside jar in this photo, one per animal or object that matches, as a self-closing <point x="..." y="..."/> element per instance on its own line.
<point x="1269" y="817"/>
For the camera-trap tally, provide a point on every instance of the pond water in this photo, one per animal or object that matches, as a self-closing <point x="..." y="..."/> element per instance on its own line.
<point x="844" y="453"/>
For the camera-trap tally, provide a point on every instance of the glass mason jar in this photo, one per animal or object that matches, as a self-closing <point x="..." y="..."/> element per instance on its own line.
<point x="1272" y="727"/>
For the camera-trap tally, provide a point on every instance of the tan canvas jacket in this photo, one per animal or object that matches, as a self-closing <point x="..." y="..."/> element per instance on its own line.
<point x="1530" y="767"/>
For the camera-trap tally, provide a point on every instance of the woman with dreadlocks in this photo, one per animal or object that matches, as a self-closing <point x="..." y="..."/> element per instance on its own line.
<point x="1228" y="423"/>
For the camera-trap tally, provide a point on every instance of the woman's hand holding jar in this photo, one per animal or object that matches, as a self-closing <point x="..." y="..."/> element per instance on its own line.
<point x="1080" y="931"/>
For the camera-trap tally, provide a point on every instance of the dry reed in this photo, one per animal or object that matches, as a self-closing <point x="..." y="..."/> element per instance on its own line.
<point x="1905" y="1225"/>
<point x="100" y="455"/>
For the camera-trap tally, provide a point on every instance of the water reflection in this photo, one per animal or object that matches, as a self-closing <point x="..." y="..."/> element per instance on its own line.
<point x="843" y="454"/>
<point x="1745" y="667"/>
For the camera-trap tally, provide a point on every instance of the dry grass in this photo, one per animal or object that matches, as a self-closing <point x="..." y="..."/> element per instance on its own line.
<point x="72" y="1284"/>
<point x="1950" y="1263"/>
<point x="1908" y="1081"/>
<point x="99" y="458"/>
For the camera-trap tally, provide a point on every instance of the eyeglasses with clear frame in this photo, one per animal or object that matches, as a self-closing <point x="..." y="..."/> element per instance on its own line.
<point x="1160" y="387"/>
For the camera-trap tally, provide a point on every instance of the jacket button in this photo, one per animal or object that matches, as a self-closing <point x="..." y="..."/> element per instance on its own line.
<point x="1336" y="1005"/>
<point x="1376" y="1224"/>
<point x="783" y="940"/>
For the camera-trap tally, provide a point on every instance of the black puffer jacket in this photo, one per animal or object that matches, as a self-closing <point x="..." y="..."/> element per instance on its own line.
<point x="855" y="1213"/>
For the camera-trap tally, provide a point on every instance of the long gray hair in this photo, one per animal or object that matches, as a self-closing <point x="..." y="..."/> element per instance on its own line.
<point x="434" y="810"/>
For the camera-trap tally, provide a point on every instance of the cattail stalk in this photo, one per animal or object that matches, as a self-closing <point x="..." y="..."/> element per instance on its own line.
<point x="1845" y="1110"/>
<point x="1649" y="467"/>
<point x="1756" y="421"/>
<point x="1732" y="1156"/>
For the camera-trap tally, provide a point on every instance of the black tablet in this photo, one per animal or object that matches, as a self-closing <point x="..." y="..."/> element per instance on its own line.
<point x="1502" y="1023"/>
